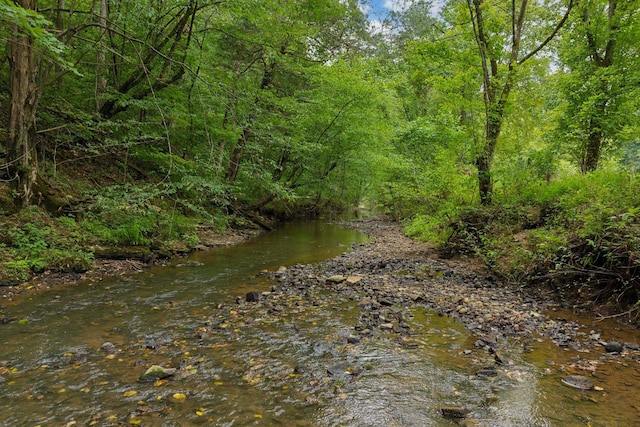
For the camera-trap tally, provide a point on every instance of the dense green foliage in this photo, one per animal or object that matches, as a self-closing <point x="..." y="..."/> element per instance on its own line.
<point x="504" y="129"/>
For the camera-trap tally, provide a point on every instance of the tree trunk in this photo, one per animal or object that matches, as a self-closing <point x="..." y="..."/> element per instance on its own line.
<point x="101" y="70"/>
<point x="24" y="96"/>
<point x="591" y="156"/>
<point x="601" y="60"/>
<point x="236" y="155"/>
<point x="497" y="84"/>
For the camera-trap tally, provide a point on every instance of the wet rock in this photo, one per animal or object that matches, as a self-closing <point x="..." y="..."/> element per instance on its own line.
<point x="108" y="347"/>
<point x="487" y="371"/>
<point x="252" y="296"/>
<point x="189" y="264"/>
<point x="338" y="370"/>
<point x="613" y="347"/>
<point x="455" y="412"/>
<point x="301" y="369"/>
<point x="578" y="381"/>
<point x="353" y="340"/>
<point x="157" y="372"/>
<point x="632" y="346"/>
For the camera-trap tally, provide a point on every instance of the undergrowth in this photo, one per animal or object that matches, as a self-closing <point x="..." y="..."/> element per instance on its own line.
<point x="580" y="236"/>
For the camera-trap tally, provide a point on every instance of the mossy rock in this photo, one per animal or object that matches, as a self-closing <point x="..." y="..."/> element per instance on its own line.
<point x="156" y="372"/>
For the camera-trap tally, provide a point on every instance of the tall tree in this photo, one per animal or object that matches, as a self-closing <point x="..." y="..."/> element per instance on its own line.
<point x="601" y="76"/>
<point x="505" y="40"/>
<point x="24" y="97"/>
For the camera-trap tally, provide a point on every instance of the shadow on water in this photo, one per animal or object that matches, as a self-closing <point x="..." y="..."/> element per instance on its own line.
<point x="76" y="355"/>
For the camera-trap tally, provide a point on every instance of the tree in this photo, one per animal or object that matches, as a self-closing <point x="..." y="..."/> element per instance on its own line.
<point x="502" y="33"/>
<point x="600" y="77"/>
<point x="29" y="41"/>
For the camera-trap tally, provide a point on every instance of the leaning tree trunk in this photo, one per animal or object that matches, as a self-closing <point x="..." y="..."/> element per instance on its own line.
<point x="24" y="96"/>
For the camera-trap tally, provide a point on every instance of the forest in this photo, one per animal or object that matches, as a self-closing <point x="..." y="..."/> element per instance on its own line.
<point x="503" y="130"/>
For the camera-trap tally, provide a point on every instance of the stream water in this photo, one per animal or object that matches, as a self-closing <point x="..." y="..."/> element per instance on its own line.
<point x="75" y="355"/>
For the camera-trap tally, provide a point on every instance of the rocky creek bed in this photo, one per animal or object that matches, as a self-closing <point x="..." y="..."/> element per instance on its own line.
<point x="393" y="273"/>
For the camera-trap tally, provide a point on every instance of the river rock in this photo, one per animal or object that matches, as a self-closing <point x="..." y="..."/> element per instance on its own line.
<point x="487" y="371"/>
<point x="157" y="372"/>
<point x="613" y="347"/>
<point x="354" y="279"/>
<point x="456" y="412"/>
<point x="578" y="381"/>
<point x="338" y="278"/>
<point x="109" y="347"/>
<point x="252" y="296"/>
<point x="353" y="340"/>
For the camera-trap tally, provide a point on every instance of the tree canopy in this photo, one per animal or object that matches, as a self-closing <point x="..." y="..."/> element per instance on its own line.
<point x="125" y="115"/>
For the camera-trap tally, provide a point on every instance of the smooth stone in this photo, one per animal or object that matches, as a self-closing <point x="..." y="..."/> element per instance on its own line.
<point x="578" y="381"/>
<point x="613" y="347"/>
<point x="338" y="278"/>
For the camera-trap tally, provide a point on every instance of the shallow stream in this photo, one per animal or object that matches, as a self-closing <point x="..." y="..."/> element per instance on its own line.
<point x="75" y="355"/>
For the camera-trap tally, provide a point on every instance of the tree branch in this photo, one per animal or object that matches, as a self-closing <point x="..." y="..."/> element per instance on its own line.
<point x="551" y="36"/>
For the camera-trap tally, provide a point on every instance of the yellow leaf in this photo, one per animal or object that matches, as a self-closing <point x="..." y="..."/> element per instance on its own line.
<point x="62" y="390"/>
<point x="179" y="396"/>
<point x="135" y="421"/>
<point x="258" y="416"/>
<point x="68" y="354"/>
<point x="199" y="413"/>
<point x="130" y="393"/>
<point x="110" y="356"/>
<point x="218" y="383"/>
<point x="158" y="383"/>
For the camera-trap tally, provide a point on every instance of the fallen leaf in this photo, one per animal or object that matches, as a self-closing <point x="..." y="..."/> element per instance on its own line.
<point x="130" y="393"/>
<point x="179" y="396"/>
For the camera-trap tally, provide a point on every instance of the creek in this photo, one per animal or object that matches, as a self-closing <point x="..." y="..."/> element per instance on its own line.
<point x="74" y="355"/>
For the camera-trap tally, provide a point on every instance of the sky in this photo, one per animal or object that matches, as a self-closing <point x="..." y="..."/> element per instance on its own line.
<point x="377" y="10"/>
